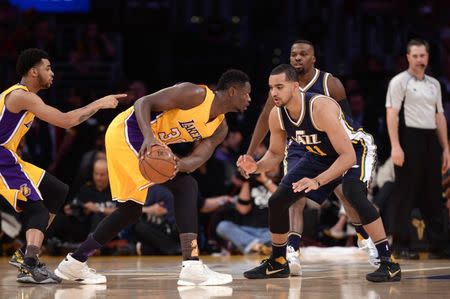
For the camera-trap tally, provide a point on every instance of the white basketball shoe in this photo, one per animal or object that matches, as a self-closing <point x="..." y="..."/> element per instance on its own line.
<point x="369" y="247"/>
<point x="71" y="269"/>
<point x="196" y="273"/>
<point x="293" y="258"/>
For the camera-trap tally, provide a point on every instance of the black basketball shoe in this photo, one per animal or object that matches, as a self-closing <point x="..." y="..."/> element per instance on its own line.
<point x="388" y="271"/>
<point x="269" y="268"/>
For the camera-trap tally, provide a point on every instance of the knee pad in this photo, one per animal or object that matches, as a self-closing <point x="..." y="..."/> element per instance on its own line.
<point x="36" y="216"/>
<point x="54" y="192"/>
<point x="356" y="194"/>
<point x="279" y="204"/>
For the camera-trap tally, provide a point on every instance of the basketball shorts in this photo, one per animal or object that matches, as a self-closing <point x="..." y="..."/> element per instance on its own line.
<point x="311" y="165"/>
<point x="123" y="141"/>
<point x="20" y="180"/>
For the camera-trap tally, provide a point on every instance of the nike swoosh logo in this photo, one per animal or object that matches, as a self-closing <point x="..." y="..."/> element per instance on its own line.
<point x="393" y="274"/>
<point x="273" y="272"/>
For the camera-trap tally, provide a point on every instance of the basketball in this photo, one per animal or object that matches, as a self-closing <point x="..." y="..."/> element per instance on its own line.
<point x="159" y="165"/>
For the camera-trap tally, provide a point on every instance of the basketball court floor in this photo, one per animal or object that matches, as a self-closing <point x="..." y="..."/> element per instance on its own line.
<point x="327" y="273"/>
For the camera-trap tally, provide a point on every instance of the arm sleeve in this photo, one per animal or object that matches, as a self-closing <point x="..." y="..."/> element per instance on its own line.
<point x="395" y="94"/>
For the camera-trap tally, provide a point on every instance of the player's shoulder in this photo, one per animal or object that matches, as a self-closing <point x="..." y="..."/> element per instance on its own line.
<point x="22" y="96"/>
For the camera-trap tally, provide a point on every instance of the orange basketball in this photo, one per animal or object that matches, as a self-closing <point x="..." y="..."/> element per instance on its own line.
<point x="159" y="165"/>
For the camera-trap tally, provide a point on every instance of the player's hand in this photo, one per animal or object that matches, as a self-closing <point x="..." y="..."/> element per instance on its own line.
<point x="111" y="101"/>
<point x="246" y="165"/>
<point x="398" y="156"/>
<point x="147" y="145"/>
<point x="445" y="161"/>
<point x="305" y="184"/>
<point x="177" y="166"/>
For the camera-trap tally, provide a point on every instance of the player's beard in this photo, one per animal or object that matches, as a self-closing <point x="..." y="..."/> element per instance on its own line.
<point x="300" y="71"/>
<point x="42" y="83"/>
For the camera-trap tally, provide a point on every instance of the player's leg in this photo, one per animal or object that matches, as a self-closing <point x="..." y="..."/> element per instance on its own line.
<point x="74" y="266"/>
<point x="277" y="266"/>
<point x="354" y="186"/>
<point x="293" y="155"/>
<point x="193" y="272"/>
<point x="364" y="241"/>
<point x="19" y="187"/>
<point x="279" y="203"/>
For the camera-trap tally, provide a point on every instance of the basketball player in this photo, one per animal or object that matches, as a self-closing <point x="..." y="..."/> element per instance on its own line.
<point x="181" y="113"/>
<point x="316" y="121"/>
<point x="29" y="189"/>
<point x="310" y="79"/>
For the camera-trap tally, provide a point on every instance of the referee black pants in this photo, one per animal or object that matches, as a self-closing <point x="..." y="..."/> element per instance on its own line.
<point x="418" y="184"/>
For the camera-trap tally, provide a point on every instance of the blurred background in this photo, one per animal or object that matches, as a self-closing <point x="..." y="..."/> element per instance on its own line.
<point x="140" y="46"/>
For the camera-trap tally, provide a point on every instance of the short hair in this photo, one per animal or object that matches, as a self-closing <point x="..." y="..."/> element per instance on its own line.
<point x="232" y="77"/>
<point x="417" y="42"/>
<point x="287" y="69"/>
<point x="304" y="41"/>
<point x="29" y="58"/>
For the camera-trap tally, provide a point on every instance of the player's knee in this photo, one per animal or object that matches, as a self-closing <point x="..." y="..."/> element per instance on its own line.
<point x="55" y="193"/>
<point x="36" y="216"/>
<point x="60" y="197"/>
<point x="279" y="204"/>
<point x="356" y="194"/>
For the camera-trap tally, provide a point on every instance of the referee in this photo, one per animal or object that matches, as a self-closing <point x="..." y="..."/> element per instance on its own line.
<point x="419" y="150"/>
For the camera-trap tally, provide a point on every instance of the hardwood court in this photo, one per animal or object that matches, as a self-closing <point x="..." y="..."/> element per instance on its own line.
<point x="327" y="273"/>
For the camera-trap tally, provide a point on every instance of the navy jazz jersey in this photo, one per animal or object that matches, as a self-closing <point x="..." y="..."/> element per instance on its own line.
<point x="318" y="84"/>
<point x="318" y="151"/>
<point x="305" y="133"/>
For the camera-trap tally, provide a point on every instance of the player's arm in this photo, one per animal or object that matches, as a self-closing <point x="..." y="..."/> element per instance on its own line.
<point x="24" y="100"/>
<point x="182" y="96"/>
<point x="326" y="117"/>
<point x="337" y="92"/>
<point x="204" y="150"/>
<point x="274" y="154"/>
<point x="262" y="126"/>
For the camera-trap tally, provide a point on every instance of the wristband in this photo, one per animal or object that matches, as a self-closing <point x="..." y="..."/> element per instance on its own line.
<point x="244" y="202"/>
<point x="317" y="181"/>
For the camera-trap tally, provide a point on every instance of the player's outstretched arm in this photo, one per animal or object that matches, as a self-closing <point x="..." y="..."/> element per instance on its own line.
<point x="274" y="154"/>
<point x="204" y="150"/>
<point x="19" y="101"/>
<point x="181" y="96"/>
<point x="326" y="116"/>
<point x="262" y="126"/>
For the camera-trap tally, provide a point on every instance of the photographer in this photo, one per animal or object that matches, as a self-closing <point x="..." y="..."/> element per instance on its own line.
<point x="82" y="215"/>
<point x="249" y="229"/>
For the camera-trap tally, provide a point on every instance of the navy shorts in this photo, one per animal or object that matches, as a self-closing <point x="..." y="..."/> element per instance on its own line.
<point x="294" y="153"/>
<point x="309" y="166"/>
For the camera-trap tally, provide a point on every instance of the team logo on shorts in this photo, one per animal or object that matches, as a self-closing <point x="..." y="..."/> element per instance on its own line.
<point x="25" y="190"/>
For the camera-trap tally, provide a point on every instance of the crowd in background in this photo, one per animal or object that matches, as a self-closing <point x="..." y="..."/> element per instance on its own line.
<point x="95" y="56"/>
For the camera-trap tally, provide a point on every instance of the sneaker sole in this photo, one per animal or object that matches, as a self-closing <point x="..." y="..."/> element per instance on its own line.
<point x="15" y="264"/>
<point x="28" y="279"/>
<point x="264" y="276"/>
<point x="205" y="283"/>
<point x="383" y="279"/>
<point x="82" y="281"/>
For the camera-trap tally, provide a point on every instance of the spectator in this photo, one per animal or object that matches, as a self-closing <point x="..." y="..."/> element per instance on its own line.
<point x="249" y="231"/>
